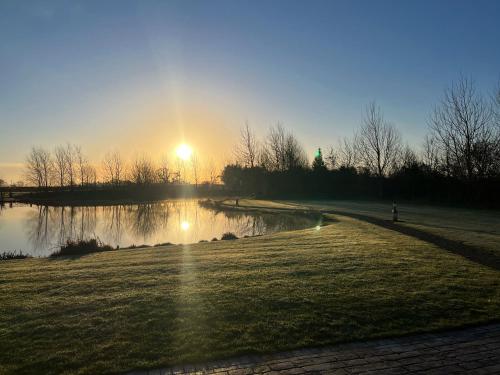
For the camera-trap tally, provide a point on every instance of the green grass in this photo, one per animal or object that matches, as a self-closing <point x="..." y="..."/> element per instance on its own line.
<point x="474" y="227"/>
<point x="117" y="311"/>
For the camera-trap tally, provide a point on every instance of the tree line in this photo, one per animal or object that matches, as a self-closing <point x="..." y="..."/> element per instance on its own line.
<point x="68" y="167"/>
<point x="458" y="161"/>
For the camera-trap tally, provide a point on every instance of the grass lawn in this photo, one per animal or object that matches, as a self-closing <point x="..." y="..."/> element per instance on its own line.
<point x="263" y="204"/>
<point x="133" y="309"/>
<point x="474" y="227"/>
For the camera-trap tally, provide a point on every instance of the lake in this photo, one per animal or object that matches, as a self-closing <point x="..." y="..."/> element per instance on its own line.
<point x="40" y="230"/>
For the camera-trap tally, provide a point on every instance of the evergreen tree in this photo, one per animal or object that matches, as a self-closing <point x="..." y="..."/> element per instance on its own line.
<point x="318" y="164"/>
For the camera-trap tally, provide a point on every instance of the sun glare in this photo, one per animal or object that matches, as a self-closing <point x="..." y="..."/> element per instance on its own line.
<point x="184" y="151"/>
<point x="185" y="225"/>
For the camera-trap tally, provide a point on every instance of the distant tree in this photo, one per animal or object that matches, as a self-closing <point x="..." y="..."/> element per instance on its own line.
<point x="180" y="175"/>
<point x="246" y="151"/>
<point x="90" y="175"/>
<point x="60" y="164"/>
<point x="464" y="129"/>
<point x="113" y="168"/>
<point x="282" y="151"/>
<point x="211" y="172"/>
<point x="70" y="164"/>
<point x="347" y="155"/>
<point x="81" y="164"/>
<point x="2" y="182"/>
<point x="195" y="165"/>
<point x="143" y="171"/>
<point x="378" y="143"/>
<point x="430" y="153"/>
<point x="331" y="158"/>
<point x="318" y="164"/>
<point x="164" y="170"/>
<point x="409" y="158"/>
<point x="39" y="167"/>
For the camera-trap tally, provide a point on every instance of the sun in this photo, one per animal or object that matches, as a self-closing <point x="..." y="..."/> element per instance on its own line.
<point x="185" y="226"/>
<point x="184" y="151"/>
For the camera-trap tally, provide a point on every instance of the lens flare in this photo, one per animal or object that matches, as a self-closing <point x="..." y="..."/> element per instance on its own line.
<point x="184" y="151"/>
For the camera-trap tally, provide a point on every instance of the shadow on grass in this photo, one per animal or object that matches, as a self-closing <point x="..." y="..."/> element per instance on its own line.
<point x="472" y="253"/>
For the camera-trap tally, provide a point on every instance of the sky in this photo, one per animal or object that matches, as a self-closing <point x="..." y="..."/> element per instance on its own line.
<point x="143" y="76"/>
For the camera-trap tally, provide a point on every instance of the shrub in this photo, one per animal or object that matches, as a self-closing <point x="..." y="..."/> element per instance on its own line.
<point x="9" y="255"/>
<point x="164" y="244"/>
<point x="93" y="245"/>
<point x="215" y="239"/>
<point x="229" y="236"/>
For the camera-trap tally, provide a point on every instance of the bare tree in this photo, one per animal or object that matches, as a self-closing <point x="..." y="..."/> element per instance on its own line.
<point x="70" y="164"/>
<point x="143" y="171"/>
<point x="34" y="173"/>
<point x="463" y="127"/>
<point x="211" y="172"/>
<point x="81" y="163"/>
<point x="274" y="148"/>
<point x="331" y="158"/>
<point x="295" y="156"/>
<point x="430" y="153"/>
<point x="195" y="164"/>
<point x="282" y="151"/>
<point x="113" y="167"/>
<point x="47" y="166"/>
<point x="107" y="168"/>
<point x="89" y="175"/>
<point x="39" y="167"/>
<point x="378" y="143"/>
<point x="179" y="173"/>
<point x="347" y="155"/>
<point x="164" y="170"/>
<point x="247" y="148"/>
<point x="60" y="164"/>
<point x="408" y="158"/>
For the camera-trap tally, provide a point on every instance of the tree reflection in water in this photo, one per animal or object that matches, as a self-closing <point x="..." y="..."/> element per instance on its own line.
<point x="176" y="221"/>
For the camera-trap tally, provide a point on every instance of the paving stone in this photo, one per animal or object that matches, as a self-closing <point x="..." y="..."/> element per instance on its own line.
<point x="472" y="350"/>
<point x="259" y="369"/>
<point x="281" y="366"/>
<point x="292" y="371"/>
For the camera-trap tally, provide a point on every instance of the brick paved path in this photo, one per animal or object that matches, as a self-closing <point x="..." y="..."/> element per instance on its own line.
<point x="471" y="351"/>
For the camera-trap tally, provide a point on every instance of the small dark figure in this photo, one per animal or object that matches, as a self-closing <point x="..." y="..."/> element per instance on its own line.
<point x="394" y="212"/>
<point x="237" y="202"/>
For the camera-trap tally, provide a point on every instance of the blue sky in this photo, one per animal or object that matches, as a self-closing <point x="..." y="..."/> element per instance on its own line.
<point x="145" y="75"/>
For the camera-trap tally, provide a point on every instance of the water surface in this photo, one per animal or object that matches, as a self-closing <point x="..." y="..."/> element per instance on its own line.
<point x="40" y="230"/>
